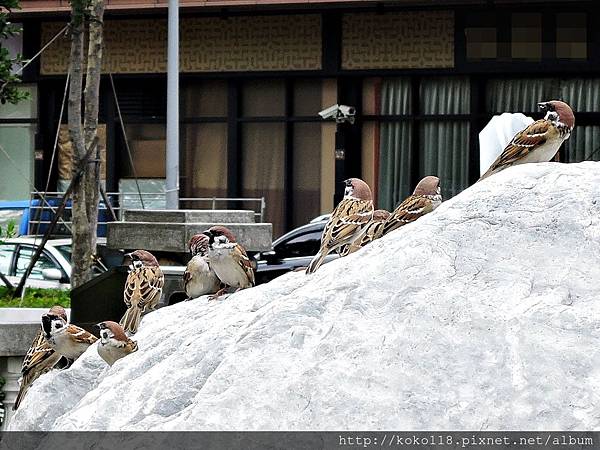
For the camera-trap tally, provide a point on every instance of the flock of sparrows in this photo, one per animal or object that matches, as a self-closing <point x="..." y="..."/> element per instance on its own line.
<point x="218" y="263"/>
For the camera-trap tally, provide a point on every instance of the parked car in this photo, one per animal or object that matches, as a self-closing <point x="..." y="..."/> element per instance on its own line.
<point x="51" y="271"/>
<point x="292" y="251"/>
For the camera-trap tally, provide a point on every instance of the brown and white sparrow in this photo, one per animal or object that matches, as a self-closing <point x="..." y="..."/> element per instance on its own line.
<point x="66" y="339"/>
<point x="40" y="358"/>
<point x="143" y="288"/>
<point x="199" y="278"/>
<point x="373" y="230"/>
<point x="540" y="141"/>
<point x="114" y="344"/>
<point x="228" y="259"/>
<point x="350" y="216"/>
<point x="426" y="197"/>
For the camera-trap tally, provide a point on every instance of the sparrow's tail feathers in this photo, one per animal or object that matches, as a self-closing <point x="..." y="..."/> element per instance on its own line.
<point x="131" y="320"/>
<point x="22" y="391"/>
<point x="492" y="170"/>
<point x="316" y="262"/>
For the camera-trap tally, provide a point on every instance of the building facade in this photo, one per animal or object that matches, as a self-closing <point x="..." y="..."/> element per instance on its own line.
<point x="424" y="78"/>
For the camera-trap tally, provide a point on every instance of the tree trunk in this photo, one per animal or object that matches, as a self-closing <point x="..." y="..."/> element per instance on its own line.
<point x="86" y="192"/>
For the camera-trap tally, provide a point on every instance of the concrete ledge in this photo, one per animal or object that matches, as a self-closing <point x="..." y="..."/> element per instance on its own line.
<point x="189" y="216"/>
<point x="16" y="338"/>
<point x="173" y="237"/>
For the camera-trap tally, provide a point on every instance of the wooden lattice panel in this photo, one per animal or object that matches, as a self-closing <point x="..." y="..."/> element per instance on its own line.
<point x="211" y="44"/>
<point x="399" y="40"/>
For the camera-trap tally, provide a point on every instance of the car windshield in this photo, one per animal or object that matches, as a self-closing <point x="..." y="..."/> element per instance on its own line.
<point x="65" y="250"/>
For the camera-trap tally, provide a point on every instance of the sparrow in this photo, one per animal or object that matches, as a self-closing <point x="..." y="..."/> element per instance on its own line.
<point x="426" y="197"/>
<point x="228" y="259"/>
<point x="373" y="230"/>
<point x="40" y="358"/>
<point x="143" y="288"/>
<point x="540" y="141"/>
<point x="114" y="344"/>
<point x="199" y="278"/>
<point x="66" y="339"/>
<point x="350" y="216"/>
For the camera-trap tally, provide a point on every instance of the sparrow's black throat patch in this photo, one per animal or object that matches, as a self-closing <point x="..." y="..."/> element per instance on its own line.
<point x="47" y="324"/>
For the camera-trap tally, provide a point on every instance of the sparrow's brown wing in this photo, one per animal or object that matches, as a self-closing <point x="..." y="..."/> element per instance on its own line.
<point x="349" y="216"/>
<point x="408" y="211"/>
<point x="81" y="336"/>
<point x="187" y="276"/>
<point x="38" y="354"/>
<point x="131" y="346"/>
<point x="143" y="285"/>
<point x="373" y="230"/>
<point x="524" y="142"/>
<point x="242" y="258"/>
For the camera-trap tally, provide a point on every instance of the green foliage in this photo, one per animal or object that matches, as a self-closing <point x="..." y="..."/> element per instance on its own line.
<point x="9" y="232"/>
<point x="35" y="298"/>
<point x="9" y="91"/>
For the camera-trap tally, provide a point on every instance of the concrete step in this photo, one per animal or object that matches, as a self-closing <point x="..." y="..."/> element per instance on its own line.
<point x="174" y="237"/>
<point x="189" y="215"/>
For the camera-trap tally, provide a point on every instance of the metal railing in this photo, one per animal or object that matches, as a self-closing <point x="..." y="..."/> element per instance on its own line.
<point x="41" y="212"/>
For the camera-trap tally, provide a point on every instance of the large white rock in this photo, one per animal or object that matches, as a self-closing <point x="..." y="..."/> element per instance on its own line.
<point x="496" y="135"/>
<point x="483" y="315"/>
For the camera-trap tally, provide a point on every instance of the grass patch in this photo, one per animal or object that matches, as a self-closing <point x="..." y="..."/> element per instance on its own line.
<point x="36" y="298"/>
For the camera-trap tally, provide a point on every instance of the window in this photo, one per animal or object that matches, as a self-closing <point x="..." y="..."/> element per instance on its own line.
<point x="263" y="169"/>
<point x="273" y="134"/>
<point x="24" y="258"/>
<point x="481" y="36"/>
<point x="18" y="125"/>
<point x="66" y="251"/>
<point x="6" y="255"/>
<point x="507" y="36"/>
<point x="526" y="42"/>
<point x="571" y="36"/>
<point x="306" y="244"/>
<point x="148" y="145"/>
<point x="429" y="138"/>
<point x="281" y="148"/>
<point x="204" y="140"/>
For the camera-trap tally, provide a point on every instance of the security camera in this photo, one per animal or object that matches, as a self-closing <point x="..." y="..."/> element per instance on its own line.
<point x="339" y="113"/>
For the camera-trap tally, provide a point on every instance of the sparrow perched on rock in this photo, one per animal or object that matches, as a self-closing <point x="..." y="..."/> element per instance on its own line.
<point x="228" y="259"/>
<point x="143" y="288"/>
<point x="426" y="197"/>
<point x="114" y="344"/>
<point x="350" y="216"/>
<point x="540" y="141"/>
<point x="373" y="230"/>
<point x="66" y="339"/>
<point x="40" y="358"/>
<point x="199" y="278"/>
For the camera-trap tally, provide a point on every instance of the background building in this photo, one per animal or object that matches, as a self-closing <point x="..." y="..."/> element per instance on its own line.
<point x="425" y="78"/>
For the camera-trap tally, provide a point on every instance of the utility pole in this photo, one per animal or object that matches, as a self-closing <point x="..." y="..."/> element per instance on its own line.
<point x="172" y="166"/>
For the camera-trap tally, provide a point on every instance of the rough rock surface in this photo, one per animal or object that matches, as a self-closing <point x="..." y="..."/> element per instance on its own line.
<point x="483" y="315"/>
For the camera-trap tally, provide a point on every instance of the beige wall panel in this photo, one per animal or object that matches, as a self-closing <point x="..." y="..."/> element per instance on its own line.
<point x="329" y="97"/>
<point x="368" y="155"/>
<point x="65" y="152"/>
<point x="398" y="40"/>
